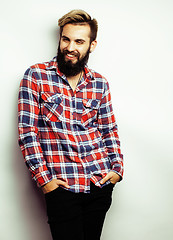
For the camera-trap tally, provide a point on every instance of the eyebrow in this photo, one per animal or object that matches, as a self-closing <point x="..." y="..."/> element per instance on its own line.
<point x="65" y="37"/>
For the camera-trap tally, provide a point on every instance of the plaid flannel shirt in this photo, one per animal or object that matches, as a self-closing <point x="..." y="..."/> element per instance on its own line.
<point x="65" y="134"/>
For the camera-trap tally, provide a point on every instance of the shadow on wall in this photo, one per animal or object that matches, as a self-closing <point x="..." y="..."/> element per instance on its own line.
<point x="30" y="199"/>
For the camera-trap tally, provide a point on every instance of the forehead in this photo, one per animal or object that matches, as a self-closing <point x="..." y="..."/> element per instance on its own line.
<point x="76" y="31"/>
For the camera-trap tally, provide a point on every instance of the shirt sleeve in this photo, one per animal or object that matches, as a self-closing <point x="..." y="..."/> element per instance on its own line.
<point x="28" y="112"/>
<point x="109" y="131"/>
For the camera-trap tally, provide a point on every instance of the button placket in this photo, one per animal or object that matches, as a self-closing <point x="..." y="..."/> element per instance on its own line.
<point x="74" y="108"/>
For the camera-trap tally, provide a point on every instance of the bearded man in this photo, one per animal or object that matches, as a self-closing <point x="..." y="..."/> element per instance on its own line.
<point x="68" y="133"/>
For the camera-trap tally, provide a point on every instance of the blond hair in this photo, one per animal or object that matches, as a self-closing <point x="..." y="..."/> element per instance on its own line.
<point x="79" y="17"/>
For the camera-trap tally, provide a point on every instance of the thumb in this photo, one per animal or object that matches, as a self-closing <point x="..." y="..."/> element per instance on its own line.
<point x="105" y="179"/>
<point x="62" y="183"/>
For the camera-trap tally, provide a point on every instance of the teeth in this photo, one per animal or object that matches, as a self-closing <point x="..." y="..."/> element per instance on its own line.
<point x="70" y="55"/>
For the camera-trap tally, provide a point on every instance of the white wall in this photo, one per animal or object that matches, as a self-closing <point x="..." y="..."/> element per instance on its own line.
<point x="135" y="53"/>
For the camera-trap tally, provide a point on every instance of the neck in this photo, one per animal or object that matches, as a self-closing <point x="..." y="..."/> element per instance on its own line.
<point x="73" y="81"/>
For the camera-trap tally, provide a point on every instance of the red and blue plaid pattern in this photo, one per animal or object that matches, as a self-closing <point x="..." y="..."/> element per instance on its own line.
<point x="66" y="134"/>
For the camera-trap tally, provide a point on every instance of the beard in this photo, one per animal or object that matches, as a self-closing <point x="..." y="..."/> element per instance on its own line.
<point x="67" y="67"/>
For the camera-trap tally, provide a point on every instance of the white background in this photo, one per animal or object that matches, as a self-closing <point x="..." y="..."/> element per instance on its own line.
<point x="134" y="52"/>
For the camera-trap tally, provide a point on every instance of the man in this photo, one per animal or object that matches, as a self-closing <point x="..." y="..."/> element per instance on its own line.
<point x="68" y="134"/>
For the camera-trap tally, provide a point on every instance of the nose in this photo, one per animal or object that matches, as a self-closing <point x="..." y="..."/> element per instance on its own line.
<point x="71" y="46"/>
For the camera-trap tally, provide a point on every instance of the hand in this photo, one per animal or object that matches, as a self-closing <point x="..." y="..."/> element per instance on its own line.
<point x="52" y="185"/>
<point x="112" y="176"/>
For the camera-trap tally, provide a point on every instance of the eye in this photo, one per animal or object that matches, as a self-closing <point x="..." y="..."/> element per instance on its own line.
<point x="80" y="41"/>
<point x="65" y="39"/>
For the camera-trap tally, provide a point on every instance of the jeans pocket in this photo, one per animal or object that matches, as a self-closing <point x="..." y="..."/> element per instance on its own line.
<point x="51" y="193"/>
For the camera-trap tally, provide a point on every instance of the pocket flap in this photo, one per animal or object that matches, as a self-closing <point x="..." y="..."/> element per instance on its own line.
<point x="91" y="103"/>
<point x="52" y="97"/>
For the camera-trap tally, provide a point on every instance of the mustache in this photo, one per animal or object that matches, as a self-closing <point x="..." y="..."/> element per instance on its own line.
<point x="72" y="53"/>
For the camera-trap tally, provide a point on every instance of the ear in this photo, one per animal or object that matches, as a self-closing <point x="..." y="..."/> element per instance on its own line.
<point x="93" y="45"/>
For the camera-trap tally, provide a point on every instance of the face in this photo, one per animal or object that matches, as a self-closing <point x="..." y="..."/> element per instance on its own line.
<point x="74" y="48"/>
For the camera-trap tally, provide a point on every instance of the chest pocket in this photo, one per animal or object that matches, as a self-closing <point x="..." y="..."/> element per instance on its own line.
<point x="52" y="106"/>
<point x="90" y="109"/>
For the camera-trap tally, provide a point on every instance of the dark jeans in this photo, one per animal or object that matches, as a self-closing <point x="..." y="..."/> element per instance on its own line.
<point x="78" y="216"/>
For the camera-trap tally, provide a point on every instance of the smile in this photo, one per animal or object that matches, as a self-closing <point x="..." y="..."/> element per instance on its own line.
<point x="71" y="56"/>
